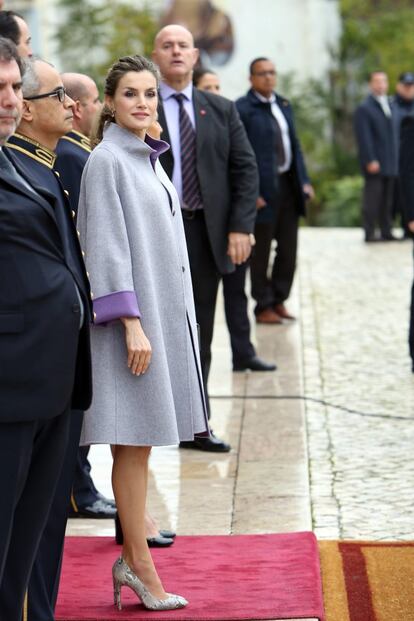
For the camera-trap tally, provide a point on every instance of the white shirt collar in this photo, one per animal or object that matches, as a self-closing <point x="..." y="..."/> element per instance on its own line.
<point x="271" y="99"/>
<point x="166" y="91"/>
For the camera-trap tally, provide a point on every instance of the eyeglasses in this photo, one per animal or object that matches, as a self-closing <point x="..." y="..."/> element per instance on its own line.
<point x="59" y="92"/>
<point x="263" y="74"/>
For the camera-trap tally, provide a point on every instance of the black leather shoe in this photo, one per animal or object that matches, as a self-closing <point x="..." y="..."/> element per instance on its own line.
<point x="100" y="509"/>
<point x="159" y="542"/>
<point x="153" y="542"/>
<point x="254" y="364"/>
<point x="211" y="444"/>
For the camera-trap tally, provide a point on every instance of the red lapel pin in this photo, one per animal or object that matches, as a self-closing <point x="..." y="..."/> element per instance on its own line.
<point x="203" y="112"/>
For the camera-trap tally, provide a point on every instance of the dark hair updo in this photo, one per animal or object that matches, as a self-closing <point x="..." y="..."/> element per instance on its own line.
<point x="124" y="65"/>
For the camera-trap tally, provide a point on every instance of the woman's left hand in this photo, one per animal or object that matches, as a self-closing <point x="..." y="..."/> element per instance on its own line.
<point x="138" y="346"/>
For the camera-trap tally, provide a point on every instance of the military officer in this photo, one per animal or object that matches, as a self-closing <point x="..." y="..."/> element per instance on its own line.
<point x="72" y="151"/>
<point x="47" y="116"/>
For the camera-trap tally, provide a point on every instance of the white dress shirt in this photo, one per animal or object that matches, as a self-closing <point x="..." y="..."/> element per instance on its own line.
<point x="171" y="111"/>
<point x="384" y="103"/>
<point x="284" y="129"/>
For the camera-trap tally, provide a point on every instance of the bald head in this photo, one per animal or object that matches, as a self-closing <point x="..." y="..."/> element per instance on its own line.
<point x="84" y="92"/>
<point x="175" y="54"/>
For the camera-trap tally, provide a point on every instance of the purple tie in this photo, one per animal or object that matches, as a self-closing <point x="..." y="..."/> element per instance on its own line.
<point x="190" y="185"/>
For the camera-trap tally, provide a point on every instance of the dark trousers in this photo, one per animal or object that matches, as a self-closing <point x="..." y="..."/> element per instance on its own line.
<point x="411" y="326"/>
<point x="31" y="458"/>
<point x="377" y="205"/>
<point x="84" y="491"/>
<point x="205" y="279"/>
<point x="235" y="306"/>
<point x="284" y="229"/>
<point x="44" y="580"/>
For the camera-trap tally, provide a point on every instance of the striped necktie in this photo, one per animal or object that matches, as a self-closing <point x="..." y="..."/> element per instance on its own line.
<point x="191" y="194"/>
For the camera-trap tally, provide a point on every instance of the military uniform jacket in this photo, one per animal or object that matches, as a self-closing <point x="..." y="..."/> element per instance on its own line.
<point x="72" y="153"/>
<point x="44" y="356"/>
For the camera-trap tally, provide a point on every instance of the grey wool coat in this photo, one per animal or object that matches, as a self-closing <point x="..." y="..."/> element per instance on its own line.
<point x="135" y="252"/>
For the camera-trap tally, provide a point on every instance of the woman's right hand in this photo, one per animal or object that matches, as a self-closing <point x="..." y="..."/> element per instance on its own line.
<point x="138" y="346"/>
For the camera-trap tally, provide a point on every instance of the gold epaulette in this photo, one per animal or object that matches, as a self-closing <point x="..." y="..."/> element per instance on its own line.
<point x="79" y="139"/>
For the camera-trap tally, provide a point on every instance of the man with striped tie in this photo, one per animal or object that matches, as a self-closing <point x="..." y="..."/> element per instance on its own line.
<point x="213" y="168"/>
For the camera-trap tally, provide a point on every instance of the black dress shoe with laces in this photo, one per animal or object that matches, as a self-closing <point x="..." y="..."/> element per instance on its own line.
<point x="211" y="444"/>
<point x="254" y="364"/>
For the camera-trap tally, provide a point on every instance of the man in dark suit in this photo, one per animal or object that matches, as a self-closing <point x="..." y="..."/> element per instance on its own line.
<point x="214" y="171"/>
<point x="72" y="151"/>
<point x="407" y="192"/>
<point x="44" y="351"/>
<point x="47" y="115"/>
<point x="375" y="134"/>
<point x="284" y="187"/>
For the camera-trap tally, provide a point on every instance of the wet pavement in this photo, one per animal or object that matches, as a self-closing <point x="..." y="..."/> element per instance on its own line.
<point x="326" y="441"/>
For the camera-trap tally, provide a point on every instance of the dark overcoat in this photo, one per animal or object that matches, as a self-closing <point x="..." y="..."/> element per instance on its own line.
<point x="375" y="135"/>
<point x="44" y="358"/>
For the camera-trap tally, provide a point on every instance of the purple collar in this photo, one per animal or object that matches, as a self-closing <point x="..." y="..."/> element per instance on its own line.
<point x="158" y="147"/>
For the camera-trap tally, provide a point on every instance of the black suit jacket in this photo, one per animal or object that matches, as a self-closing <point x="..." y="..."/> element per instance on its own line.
<point x="44" y="358"/>
<point x="407" y="166"/>
<point x="375" y="134"/>
<point x="226" y="168"/>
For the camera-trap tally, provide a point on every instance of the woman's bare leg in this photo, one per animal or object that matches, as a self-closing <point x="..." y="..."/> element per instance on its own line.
<point x="129" y="482"/>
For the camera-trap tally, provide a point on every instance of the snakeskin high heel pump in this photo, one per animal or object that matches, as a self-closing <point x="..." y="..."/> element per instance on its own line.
<point x="123" y="575"/>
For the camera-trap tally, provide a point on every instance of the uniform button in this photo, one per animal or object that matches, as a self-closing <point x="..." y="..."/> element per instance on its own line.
<point x="183" y="268"/>
<point x="83" y="253"/>
<point x="76" y="309"/>
<point x="73" y="214"/>
<point x="94" y="316"/>
<point x="92" y="295"/>
<point x="78" y="232"/>
<point x="87" y="273"/>
<point x="173" y="213"/>
<point x="56" y="173"/>
<point x="66" y="192"/>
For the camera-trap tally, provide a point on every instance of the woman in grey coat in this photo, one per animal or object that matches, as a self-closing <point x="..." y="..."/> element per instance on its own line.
<point x="147" y="376"/>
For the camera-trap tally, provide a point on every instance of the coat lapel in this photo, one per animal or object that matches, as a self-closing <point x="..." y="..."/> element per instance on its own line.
<point x="38" y="194"/>
<point x="201" y="114"/>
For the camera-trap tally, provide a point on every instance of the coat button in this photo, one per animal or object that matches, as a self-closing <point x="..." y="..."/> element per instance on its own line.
<point x="73" y="214"/>
<point x="173" y="213"/>
<point x="66" y="192"/>
<point x="94" y="316"/>
<point x="83" y="253"/>
<point x="56" y="173"/>
<point x="78" y="232"/>
<point x="183" y="268"/>
<point x="92" y="295"/>
<point x="76" y="309"/>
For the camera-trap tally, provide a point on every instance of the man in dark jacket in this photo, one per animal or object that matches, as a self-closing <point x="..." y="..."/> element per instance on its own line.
<point x="284" y="187"/>
<point x="402" y="106"/>
<point x="375" y="134"/>
<point x="407" y="192"/>
<point x="45" y="311"/>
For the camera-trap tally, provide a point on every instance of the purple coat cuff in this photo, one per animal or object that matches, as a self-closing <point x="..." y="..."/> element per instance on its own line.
<point x="115" y="305"/>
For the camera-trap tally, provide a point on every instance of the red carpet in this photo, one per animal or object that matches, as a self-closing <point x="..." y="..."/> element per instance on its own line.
<point x="225" y="578"/>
